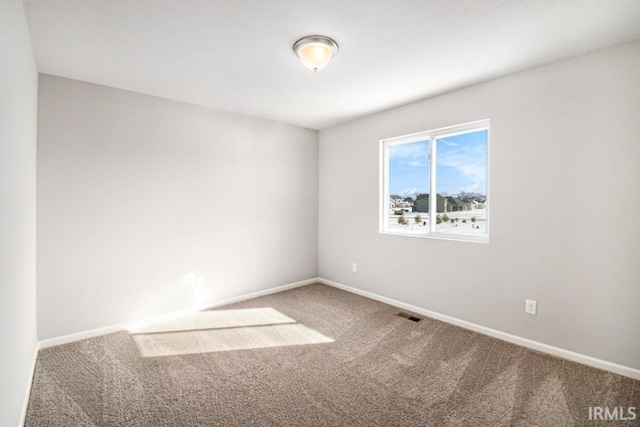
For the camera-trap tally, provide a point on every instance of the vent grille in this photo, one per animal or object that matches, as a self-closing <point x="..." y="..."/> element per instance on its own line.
<point x="409" y="316"/>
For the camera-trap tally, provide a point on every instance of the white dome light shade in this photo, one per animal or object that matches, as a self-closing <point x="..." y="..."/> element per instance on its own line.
<point x="315" y="52"/>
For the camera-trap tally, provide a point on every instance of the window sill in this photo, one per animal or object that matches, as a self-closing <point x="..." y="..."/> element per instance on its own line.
<point x="440" y="236"/>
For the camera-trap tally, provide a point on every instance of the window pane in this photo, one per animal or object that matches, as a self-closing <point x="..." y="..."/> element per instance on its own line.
<point x="408" y="181"/>
<point x="461" y="183"/>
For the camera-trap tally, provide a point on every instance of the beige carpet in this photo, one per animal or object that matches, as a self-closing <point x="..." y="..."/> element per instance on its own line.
<point x="313" y="356"/>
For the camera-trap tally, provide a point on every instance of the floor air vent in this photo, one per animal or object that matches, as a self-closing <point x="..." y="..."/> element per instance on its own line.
<point x="410" y="317"/>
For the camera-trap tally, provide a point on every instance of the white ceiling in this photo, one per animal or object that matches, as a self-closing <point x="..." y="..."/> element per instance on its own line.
<point x="236" y="54"/>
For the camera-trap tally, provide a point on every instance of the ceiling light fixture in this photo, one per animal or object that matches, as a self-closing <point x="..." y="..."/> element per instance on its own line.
<point x="315" y="52"/>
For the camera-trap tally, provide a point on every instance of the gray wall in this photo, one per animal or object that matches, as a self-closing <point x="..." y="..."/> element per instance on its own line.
<point x="137" y="195"/>
<point x="565" y="206"/>
<point x="18" y="98"/>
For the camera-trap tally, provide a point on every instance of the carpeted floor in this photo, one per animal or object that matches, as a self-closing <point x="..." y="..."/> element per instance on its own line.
<point x="313" y="356"/>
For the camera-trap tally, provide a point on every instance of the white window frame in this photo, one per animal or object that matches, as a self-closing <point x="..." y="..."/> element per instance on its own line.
<point x="431" y="135"/>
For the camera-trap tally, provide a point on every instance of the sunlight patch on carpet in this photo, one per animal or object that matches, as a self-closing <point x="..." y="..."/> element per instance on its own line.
<point x="215" y="319"/>
<point x="223" y="330"/>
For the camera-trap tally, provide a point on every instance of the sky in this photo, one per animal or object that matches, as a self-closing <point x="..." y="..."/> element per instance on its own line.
<point x="461" y="165"/>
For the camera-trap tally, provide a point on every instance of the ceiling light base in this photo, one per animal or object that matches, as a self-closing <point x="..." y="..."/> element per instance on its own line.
<point x="315" y="52"/>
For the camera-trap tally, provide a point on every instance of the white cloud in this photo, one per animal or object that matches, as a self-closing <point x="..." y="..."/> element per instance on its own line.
<point x="447" y="142"/>
<point x="412" y="155"/>
<point x="417" y="163"/>
<point x="409" y="192"/>
<point x="469" y="161"/>
<point x="472" y="188"/>
<point x="409" y="151"/>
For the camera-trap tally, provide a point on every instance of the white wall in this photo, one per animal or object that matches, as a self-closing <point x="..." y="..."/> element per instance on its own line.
<point x="565" y="208"/>
<point x="137" y="195"/>
<point x="18" y="108"/>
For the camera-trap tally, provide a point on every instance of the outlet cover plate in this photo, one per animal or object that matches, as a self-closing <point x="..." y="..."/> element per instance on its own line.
<point x="531" y="307"/>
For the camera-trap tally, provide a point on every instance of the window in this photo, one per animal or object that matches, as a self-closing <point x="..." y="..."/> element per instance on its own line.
<point x="451" y="163"/>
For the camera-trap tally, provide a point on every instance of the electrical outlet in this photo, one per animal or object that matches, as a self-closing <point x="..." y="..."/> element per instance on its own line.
<point x="530" y="307"/>
<point x="354" y="267"/>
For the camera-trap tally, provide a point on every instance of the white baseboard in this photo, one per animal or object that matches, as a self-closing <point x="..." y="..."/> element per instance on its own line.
<point x="25" y="403"/>
<point x="65" y="339"/>
<point x="259" y="293"/>
<point x="524" y="342"/>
